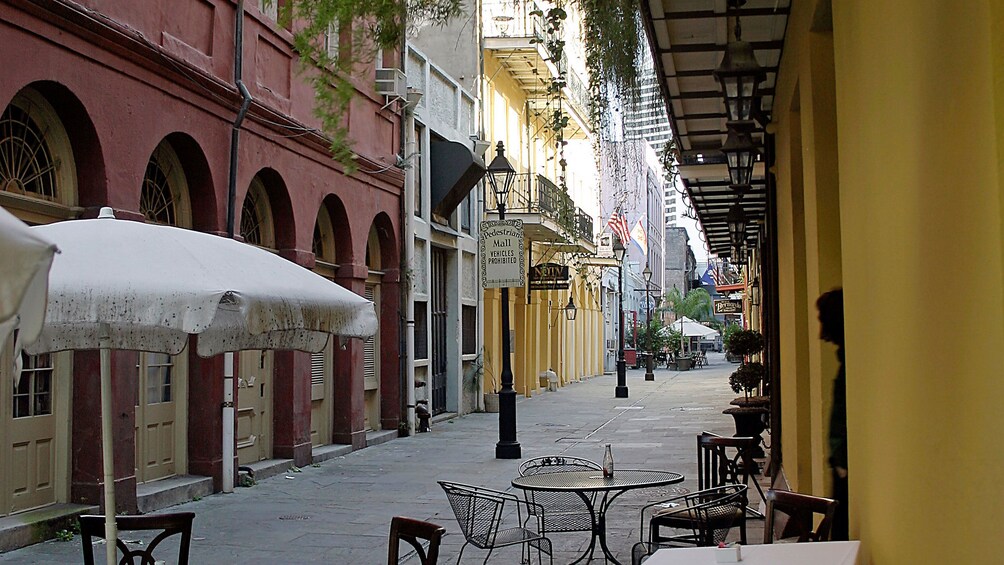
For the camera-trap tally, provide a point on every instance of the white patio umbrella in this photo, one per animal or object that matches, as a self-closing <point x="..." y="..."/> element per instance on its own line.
<point x="23" y="281"/>
<point x="128" y="285"/>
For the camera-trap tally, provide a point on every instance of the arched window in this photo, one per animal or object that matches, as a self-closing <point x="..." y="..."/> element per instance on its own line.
<point x="164" y="197"/>
<point x="256" y="216"/>
<point x="37" y="178"/>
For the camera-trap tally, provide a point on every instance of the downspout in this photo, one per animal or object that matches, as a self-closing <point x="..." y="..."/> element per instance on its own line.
<point x="228" y="358"/>
<point x="408" y="234"/>
<point x="480" y="207"/>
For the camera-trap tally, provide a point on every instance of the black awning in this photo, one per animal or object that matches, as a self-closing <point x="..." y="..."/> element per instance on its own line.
<point x="455" y="171"/>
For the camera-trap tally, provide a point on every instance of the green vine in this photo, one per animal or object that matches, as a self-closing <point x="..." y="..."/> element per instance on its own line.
<point x="364" y="27"/>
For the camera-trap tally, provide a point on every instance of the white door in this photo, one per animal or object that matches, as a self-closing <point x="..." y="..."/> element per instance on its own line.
<point x="371" y="365"/>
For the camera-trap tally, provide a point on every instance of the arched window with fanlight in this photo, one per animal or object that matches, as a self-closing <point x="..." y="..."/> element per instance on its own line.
<point x="164" y="197"/>
<point x="256" y="217"/>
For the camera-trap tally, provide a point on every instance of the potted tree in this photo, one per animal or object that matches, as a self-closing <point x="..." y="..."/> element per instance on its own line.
<point x="750" y="409"/>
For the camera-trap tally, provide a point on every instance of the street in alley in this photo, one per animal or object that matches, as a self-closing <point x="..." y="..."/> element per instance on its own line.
<point x="339" y="511"/>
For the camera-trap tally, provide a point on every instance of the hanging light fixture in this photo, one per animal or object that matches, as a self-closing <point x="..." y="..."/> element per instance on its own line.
<point x="740" y="76"/>
<point x="570" y="309"/>
<point x="737" y="225"/>
<point x="740" y="154"/>
<point x="618" y="249"/>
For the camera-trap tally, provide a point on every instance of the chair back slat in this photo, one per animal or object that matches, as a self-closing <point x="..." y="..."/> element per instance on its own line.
<point x="179" y="523"/>
<point x="794" y="513"/>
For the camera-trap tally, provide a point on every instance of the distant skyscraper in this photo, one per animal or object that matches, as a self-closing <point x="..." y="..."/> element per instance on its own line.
<point x="648" y="120"/>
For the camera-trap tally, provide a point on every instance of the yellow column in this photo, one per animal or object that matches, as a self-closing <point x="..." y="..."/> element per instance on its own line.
<point x="918" y="96"/>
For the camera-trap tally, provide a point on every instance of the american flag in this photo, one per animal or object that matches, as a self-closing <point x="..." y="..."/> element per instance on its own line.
<point x="619" y="226"/>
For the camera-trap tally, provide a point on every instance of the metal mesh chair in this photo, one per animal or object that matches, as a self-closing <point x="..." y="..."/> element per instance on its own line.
<point x="563" y="511"/>
<point x="701" y="518"/>
<point x="798" y="511"/>
<point x="413" y="532"/>
<point x="170" y="525"/>
<point x="480" y="514"/>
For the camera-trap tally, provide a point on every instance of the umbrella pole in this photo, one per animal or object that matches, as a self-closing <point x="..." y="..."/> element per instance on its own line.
<point x="107" y="451"/>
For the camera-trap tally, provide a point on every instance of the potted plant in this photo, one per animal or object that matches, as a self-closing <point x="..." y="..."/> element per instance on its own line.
<point x="750" y="409"/>
<point x="491" y="384"/>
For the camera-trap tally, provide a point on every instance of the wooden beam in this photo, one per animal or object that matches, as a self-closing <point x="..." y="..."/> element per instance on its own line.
<point x="713" y="47"/>
<point x="705" y="14"/>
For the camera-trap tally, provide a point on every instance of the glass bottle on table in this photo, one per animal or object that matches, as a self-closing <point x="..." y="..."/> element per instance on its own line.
<point x="608" y="463"/>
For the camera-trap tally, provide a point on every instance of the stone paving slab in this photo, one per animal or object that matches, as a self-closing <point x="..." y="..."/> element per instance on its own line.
<point x="339" y="511"/>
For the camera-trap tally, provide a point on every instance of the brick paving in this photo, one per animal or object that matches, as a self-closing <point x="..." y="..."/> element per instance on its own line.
<point x="339" y="511"/>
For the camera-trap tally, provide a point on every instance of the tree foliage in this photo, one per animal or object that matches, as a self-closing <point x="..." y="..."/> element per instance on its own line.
<point x="743" y="343"/>
<point x="363" y="28"/>
<point x="657" y="337"/>
<point x="696" y="305"/>
<point x="747" y="378"/>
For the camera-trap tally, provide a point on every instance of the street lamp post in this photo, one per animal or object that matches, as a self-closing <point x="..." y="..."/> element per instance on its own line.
<point x="622" y="390"/>
<point x="500" y="177"/>
<point x="649" y="375"/>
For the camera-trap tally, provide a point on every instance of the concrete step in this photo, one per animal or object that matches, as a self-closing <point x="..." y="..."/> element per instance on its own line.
<point x="39" y="525"/>
<point x="155" y="495"/>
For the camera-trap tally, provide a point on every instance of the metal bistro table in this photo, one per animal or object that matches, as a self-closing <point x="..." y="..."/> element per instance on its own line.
<point x="584" y="482"/>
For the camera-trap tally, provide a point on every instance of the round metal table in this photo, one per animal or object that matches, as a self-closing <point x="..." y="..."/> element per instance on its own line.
<point x="584" y="482"/>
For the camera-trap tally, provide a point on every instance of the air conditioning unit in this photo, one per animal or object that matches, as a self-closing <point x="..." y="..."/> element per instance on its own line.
<point x="391" y="82"/>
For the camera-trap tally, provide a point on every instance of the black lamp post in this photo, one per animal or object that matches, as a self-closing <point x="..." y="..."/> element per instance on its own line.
<point x="650" y="362"/>
<point x="622" y="390"/>
<point x="500" y="177"/>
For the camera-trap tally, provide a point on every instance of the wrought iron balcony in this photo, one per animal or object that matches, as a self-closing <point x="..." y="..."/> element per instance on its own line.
<point x="548" y="213"/>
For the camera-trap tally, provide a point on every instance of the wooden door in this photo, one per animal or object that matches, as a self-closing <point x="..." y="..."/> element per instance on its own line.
<point x="161" y="425"/>
<point x="254" y="406"/>
<point x="30" y="453"/>
<point x="321" y="395"/>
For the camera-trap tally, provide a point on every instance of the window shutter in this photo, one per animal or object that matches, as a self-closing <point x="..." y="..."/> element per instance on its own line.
<point x="369" y="352"/>
<point x="317" y="368"/>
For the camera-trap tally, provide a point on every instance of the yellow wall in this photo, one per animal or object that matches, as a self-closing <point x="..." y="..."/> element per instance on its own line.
<point x="897" y="197"/>
<point x="544" y="339"/>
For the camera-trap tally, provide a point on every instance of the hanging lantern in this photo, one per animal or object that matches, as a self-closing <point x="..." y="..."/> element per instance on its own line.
<point x="741" y="154"/>
<point x="501" y="175"/>
<point x="740" y="76"/>
<point x="737" y="225"/>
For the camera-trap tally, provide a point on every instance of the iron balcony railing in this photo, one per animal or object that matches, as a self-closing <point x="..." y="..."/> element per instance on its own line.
<point x="512" y="19"/>
<point x="536" y="194"/>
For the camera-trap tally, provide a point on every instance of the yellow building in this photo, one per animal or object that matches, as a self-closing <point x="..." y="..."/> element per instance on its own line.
<point x="534" y="101"/>
<point x="883" y="150"/>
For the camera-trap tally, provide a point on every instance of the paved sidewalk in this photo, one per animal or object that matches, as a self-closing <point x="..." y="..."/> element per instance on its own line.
<point x="338" y="512"/>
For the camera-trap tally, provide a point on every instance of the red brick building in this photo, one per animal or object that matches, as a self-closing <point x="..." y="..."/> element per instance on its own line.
<point x="133" y="105"/>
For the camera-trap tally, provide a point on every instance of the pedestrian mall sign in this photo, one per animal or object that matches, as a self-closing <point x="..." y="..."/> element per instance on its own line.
<point x="501" y="248"/>
<point x="730" y="306"/>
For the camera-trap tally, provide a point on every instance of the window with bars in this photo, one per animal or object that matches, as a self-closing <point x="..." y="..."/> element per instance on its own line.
<point x="469" y="322"/>
<point x="421" y="330"/>
<point x="33" y="393"/>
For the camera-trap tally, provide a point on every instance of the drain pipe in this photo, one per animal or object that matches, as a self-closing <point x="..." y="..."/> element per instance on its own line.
<point x="228" y="358"/>
<point x="408" y="229"/>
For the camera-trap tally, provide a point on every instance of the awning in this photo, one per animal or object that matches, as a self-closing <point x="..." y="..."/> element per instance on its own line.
<point x="455" y="171"/>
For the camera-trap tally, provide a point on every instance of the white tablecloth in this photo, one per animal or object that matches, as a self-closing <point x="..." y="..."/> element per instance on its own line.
<point x="818" y="553"/>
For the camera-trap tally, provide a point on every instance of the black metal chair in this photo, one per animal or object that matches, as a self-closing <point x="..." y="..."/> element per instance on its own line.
<point x="563" y="511"/>
<point x="92" y="526"/>
<point x="480" y="513"/>
<point x="727" y="461"/>
<point x="413" y="532"/>
<point x="797" y="515"/>
<point x="702" y="518"/>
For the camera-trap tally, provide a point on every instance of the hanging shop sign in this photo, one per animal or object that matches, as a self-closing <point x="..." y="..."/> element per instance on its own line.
<point x="549" y="276"/>
<point x="730" y="306"/>
<point x="501" y="249"/>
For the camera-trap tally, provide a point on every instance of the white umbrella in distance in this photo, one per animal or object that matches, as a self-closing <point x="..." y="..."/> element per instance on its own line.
<point x="26" y="258"/>
<point x="128" y="285"/>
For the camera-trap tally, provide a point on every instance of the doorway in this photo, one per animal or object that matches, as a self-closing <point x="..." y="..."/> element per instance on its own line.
<point x="254" y="406"/>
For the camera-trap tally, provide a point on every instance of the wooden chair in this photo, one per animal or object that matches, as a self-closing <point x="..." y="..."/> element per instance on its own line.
<point x="479" y="513"/>
<point x="727" y="460"/>
<point x="413" y="532"/>
<point x="563" y="511"/>
<point x="799" y="511"/>
<point x="703" y="518"/>
<point x="92" y="526"/>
